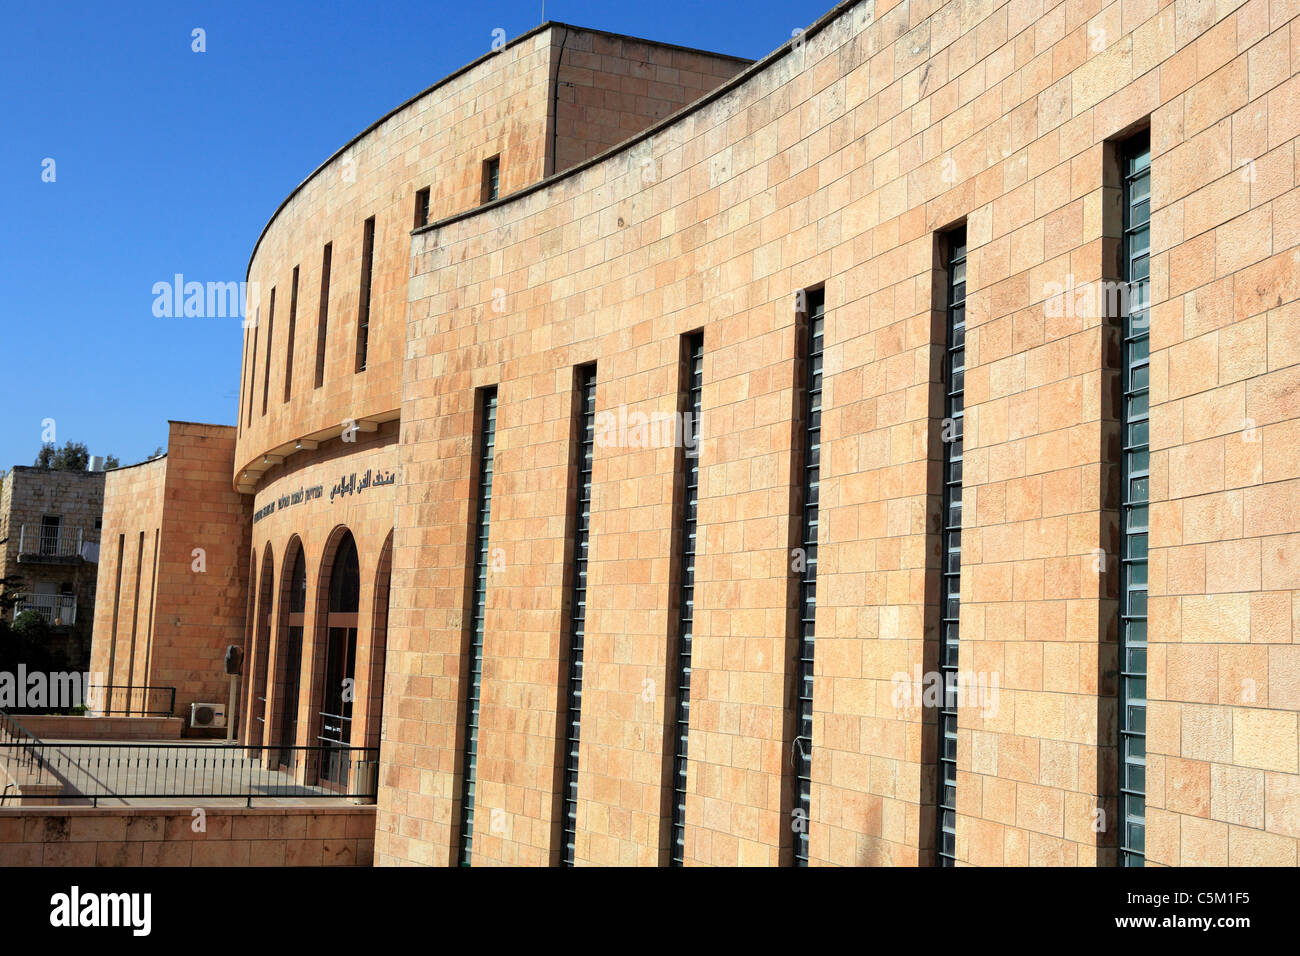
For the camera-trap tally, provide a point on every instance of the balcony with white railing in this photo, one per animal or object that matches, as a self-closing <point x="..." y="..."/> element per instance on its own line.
<point x="50" y="544"/>
<point x="59" y="610"/>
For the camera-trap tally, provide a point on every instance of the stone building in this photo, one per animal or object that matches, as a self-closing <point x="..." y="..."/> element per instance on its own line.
<point x="172" y="576"/>
<point x="49" y="532"/>
<point x="879" y="454"/>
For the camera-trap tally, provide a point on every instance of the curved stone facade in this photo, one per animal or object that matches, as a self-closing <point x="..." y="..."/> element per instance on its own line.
<point x="920" y="171"/>
<point x="503" y="105"/>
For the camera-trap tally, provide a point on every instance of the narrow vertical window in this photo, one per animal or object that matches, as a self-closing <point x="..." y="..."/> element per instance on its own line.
<point x="581" y="527"/>
<point x="811" y="400"/>
<point x="135" y="615"/>
<point x="252" y="368"/>
<point x="153" y="599"/>
<point x="293" y="323"/>
<point x="1133" y="503"/>
<point x="954" y="385"/>
<point x="422" y="207"/>
<point x="243" y="383"/>
<point x="685" y="521"/>
<point x="477" y="607"/>
<point x="322" y="317"/>
<point x="117" y="609"/>
<point x="270" y="333"/>
<point x="491" y="178"/>
<point x="363" y="309"/>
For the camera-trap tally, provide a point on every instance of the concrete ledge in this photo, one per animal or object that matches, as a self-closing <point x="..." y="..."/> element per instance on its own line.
<point x="153" y="836"/>
<point x="58" y="727"/>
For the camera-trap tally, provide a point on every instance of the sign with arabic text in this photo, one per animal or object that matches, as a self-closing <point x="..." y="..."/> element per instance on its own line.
<point x="346" y="485"/>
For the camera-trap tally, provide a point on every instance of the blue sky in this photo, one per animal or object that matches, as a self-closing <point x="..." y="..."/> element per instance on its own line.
<point x="169" y="161"/>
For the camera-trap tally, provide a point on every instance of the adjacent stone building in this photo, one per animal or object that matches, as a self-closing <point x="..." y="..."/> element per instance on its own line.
<point x="879" y="454"/>
<point x="49" y="542"/>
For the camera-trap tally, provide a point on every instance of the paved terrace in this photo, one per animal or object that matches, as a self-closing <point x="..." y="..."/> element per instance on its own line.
<point x="213" y="774"/>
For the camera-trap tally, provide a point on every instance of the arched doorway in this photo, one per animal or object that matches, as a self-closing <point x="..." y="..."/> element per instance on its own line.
<point x="378" y="646"/>
<point x="293" y="607"/>
<point x="261" y="648"/>
<point x="338" y="685"/>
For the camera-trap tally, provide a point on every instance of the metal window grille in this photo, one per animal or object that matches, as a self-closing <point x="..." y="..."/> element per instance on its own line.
<point x="578" y="613"/>
<point x="478" y="604"/>
<point x="950" y="592"/>
<point x="1133" y="503"/>
<point x="808" y="577"/>
<point x="687" y="525"/>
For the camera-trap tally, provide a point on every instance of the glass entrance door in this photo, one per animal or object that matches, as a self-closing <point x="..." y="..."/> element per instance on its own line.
<point x="290" y="661"/>
<point x="338" y="687"/>
<point x="289" y="711"/>
<point x="336" y="714"/>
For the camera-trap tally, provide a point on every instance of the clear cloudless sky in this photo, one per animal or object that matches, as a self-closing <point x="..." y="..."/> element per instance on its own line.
<point x="170" y="161"/>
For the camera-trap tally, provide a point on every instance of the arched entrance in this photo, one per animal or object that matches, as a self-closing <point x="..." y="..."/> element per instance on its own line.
<point x="338" y="686"/>
<point x="261" y="648"/>
<point x="378" y="646"/>
<point x="293" y="606"/>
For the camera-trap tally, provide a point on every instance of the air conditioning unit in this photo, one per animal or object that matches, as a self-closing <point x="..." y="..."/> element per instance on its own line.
<point x="207" y="715"/>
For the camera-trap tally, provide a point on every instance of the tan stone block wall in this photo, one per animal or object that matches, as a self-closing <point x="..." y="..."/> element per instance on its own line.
<point x="837" y="163"/>
<point x="192" y="585"/>
<point x="103" y="728"/>
<point x="133" y="504"/>
<point x="199" y="613"/>
<point x="1225" y="476"/>
<point x="610" y="88"/>
<point x="152" y="836"/>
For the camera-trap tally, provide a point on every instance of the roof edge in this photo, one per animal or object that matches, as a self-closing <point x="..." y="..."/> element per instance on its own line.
<point x="756" y="67"/>
<point x="545" y="25"/>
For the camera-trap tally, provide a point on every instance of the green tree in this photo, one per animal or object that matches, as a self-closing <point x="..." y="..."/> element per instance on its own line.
<point x="111" y="462"/>
<point x="73" y="456"/>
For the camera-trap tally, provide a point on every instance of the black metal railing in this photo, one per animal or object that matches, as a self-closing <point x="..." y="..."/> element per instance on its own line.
<point x="19" y="757"/>
<point x="122" y="700"/>
<point x="91" y="772"/>
<point x="14" y="733"/>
